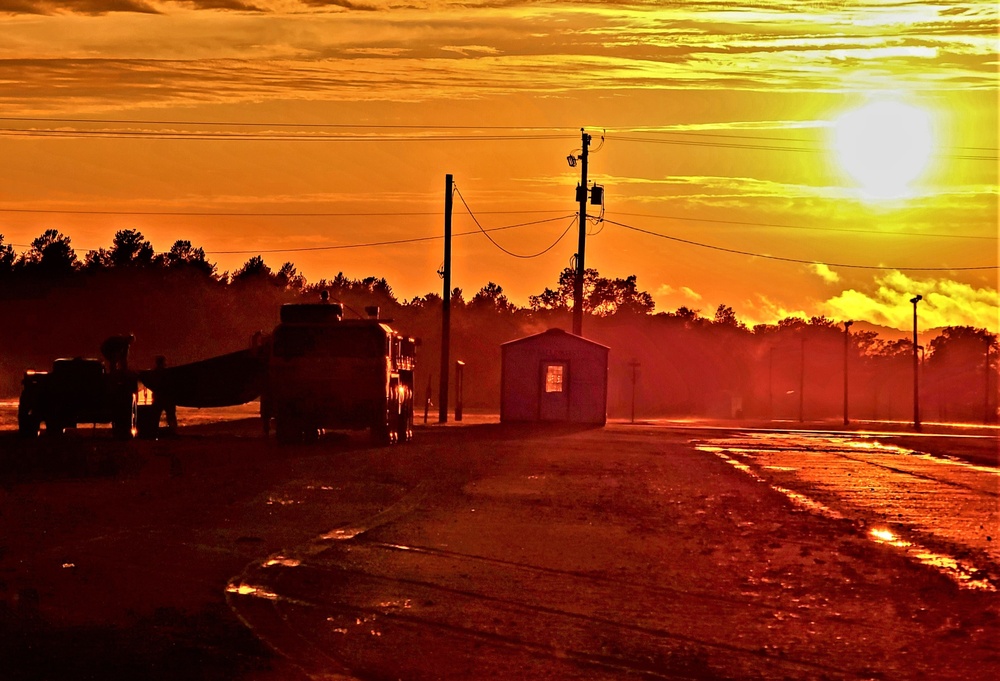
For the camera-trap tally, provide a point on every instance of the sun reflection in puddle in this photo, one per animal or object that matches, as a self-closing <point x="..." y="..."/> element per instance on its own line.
<point x="343" y="533"/>
<point x="244" y="589"/>
<point x="959" y="571"/>
<point x="282" y="561"/>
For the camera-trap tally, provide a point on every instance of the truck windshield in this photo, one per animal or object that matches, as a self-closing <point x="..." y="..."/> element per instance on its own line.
<point x="326" y="341"/>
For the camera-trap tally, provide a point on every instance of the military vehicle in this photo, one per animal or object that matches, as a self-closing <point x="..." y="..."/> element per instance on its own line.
<point x="327" y="372"/>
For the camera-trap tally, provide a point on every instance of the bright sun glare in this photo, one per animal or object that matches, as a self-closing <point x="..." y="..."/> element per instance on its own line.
<point x="884" y="146"/>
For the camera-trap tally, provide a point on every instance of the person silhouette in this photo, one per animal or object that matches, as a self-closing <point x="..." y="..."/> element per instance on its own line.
<point x="115" y="351"/>
<point x="163" y="401"/>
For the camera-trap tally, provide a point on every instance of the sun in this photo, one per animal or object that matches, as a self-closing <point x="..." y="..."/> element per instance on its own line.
<point x="884" y="146"/>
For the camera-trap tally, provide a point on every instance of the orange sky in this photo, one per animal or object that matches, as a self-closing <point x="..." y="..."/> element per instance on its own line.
<point x="718" y="119"/>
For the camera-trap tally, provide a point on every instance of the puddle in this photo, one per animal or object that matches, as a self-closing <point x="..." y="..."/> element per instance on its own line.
<point x="860" y="477"/>
<point x="960" y="571"/>
<point x="244" y="589"/>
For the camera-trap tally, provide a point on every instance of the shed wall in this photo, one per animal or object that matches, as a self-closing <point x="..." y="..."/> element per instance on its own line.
<point x="586" y="379"/>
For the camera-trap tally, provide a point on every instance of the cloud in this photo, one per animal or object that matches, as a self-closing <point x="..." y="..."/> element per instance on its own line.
<point x="236" y="5"/>
<point x="690" y="293"/>
<point x="465" y="50"/>
<point x="77" y="6"/>
<point x="945" y="303"/>
<point x="344" y="4"/>
<point x="825" y="273"/>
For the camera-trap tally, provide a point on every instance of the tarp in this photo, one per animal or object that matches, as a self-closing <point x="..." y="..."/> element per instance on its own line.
<point x="223" y="381"/>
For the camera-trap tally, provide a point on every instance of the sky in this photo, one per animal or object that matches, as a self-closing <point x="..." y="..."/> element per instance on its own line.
<point x="299" y="129"/>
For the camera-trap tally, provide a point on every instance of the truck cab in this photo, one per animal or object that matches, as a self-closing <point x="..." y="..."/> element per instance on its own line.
<point x="77" y="390"/>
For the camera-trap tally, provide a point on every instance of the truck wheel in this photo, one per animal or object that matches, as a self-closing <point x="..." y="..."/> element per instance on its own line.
<point x="382" y="434"/>
<point x="54" y="428"/>
<point x="123" y="426"/>
<point x="287" y="431"/>
<point x="28" y="425"/>
<point x="147" y="421"/>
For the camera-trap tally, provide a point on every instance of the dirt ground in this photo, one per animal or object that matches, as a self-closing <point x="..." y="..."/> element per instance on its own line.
<point x="478" y="552"/>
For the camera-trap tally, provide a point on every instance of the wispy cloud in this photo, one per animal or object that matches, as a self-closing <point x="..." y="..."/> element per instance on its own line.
<point x="78" y="6"/>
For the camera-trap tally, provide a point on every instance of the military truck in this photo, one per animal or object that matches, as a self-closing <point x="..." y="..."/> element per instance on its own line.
<point x="77" y="390"/>
<point x="326" y="372"/>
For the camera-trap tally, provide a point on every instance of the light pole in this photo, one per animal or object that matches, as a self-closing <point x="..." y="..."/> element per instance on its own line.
<point x="916" y="367"/>
<point x="847" y="340"/>
<point x="987" y="416"/>
<point x="802" y="381"/>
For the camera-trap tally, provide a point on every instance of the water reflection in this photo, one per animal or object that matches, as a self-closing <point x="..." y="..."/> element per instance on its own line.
<point x="951" y="502"/>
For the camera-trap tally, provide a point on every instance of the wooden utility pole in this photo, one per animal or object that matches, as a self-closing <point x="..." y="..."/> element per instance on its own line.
<point x="446" y="303"/>
<point x="581" y="196"/>
<point x="635" y="364"/>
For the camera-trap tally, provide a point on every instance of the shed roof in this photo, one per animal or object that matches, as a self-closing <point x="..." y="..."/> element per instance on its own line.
<point x="554" y="333"/>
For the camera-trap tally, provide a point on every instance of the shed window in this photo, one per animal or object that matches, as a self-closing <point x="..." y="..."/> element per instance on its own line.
<point x="554" y="378"/>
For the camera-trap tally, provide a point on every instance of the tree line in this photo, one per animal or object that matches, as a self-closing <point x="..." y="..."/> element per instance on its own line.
<point x="177" y="304"/>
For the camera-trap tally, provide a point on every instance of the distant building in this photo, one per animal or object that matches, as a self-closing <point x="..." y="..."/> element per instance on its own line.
<point x="554" y="376"/>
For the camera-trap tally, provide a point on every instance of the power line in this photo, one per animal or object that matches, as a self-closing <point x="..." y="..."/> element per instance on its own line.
<point x="259" y="124"/>
<point x="797" y="260"/>
<point x="391" y="242"/>
<point x="315" y="214"/>
<point x="649" y="130"/>
<point x="259" y="214"/>
<point x="770" y="147"/>
<point x="886" y="232"/>
<point x="511" y="253"/>
<point x="226" y="136"/>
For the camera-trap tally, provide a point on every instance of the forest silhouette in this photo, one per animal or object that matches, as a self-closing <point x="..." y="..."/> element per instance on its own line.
<point x="685" y="363"/>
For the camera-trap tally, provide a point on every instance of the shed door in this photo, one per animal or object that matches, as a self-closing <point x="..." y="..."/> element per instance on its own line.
<point x="553" y="403"/>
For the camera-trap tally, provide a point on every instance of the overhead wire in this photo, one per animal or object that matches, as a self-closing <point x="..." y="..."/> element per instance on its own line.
<point x="390" y="242"/>
<point x="227" y="136"/>
<point x="509" y="252"/>
<point x="237" y="214"/>
<point x="635" y="129"/>
<point x="319" y="214"/>
<point x="798" y="260"/>
<point x="746" y="223"/>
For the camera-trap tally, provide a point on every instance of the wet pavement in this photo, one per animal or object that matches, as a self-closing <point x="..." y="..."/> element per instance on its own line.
<point x="625" y="553"/>
<point x="940" y="510"/>
<point x="483" y="551"/>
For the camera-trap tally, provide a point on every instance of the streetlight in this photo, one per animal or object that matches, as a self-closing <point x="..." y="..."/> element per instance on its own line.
<point x="987" y="416"/>
<point x="916" y="367"/>
<point x="802" y="380"/>
<point x="847" y="340"/>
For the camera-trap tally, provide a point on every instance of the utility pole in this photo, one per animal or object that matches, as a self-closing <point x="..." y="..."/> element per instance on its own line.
<point x="581" y="197"/>
<point x="446" y="303"/>
<point x="847" y="341"/>
<point x="916" y="367"/>
<point x="770" y="384"/>
<point x="635" y="364"/>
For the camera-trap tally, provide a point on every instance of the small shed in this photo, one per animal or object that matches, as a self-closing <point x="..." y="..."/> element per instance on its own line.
<point x="554" y="376"/>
